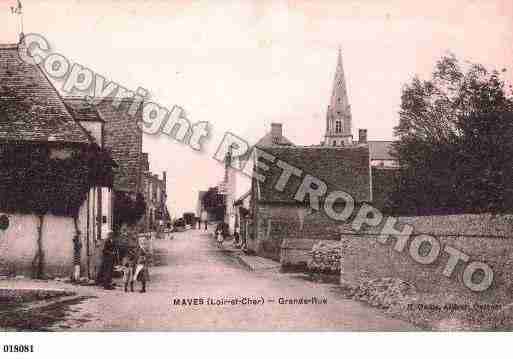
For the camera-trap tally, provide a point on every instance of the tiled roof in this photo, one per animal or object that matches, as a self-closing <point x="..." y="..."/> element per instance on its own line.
<point x="381" y="150"/>
<point x="81" y="110"/>
<point x="341" y="168"/>
<point x="30" y="107"/>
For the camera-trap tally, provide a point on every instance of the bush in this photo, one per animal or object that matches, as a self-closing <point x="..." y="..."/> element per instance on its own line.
<point x="326" y="257"/>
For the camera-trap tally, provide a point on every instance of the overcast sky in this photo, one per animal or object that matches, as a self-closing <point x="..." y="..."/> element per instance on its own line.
<point x="243" y="64"/>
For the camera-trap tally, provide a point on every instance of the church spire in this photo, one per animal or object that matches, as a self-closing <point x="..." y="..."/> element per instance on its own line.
<point x="338" y="117"/>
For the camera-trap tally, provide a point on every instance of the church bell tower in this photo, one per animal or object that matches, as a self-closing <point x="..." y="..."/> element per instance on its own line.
<point x="338" y="116"/>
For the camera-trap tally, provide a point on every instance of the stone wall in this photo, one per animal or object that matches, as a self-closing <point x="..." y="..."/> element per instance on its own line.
<point x="295" y="253"/>
<point x="483" y="238"/>
<point x="123" y="138"/>
<point x="275" y="222"/>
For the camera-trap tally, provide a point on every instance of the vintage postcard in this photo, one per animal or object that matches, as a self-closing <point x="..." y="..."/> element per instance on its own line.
<point x="255" y="166"/>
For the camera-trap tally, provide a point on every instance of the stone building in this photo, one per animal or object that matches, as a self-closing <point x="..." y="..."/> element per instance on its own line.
<point x="363" y="168"/>
<point x="155" y="196"/>
<point x="55" y="177"/>
<point x="277" y="214"/>
<point x="123" y="137"/>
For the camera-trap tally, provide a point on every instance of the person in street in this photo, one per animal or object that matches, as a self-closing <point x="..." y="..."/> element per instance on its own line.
<point x="107" y="268"/>
<point x="128" y="273"/>
<point x="236" y="238"/>
<point x="220" y="233"/>
<point x="204" y="218"/>
<point x="219" y="236"/>
<point x="140" y="269"/>
<point x="135" y="268"/>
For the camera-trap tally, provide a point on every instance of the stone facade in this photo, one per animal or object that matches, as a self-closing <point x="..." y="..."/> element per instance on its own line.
<point x="274" y="223"/>
<point x="277" y="216"/>
<point x="39" y="125"/>
<point x="123" y="137"/>
<point x="155" y="195"/>
<point x="18" y="244"/>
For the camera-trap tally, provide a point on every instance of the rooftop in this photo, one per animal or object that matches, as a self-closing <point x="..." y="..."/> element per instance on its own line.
<point x="30" y="107"/>
<point x="341" y="168"/>
<point x="381" y="150"/>
<point x="81" y="110"/>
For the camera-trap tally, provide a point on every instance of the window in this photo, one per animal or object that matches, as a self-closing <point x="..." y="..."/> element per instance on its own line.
<point x="334" y="143"/>
<point x="338" y="126"/>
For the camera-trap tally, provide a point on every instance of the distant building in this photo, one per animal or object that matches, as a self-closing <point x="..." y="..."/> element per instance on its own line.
<point x="276" y="214"/>
<point x="338" y="116"/>
<point x="364" y="169"/>
<point x="381" y="154"/>
<point x="338" y="130"/>
<point x="155" y="195"/>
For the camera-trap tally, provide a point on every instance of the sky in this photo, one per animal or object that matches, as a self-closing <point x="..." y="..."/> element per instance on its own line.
<point x="242" y="65"/>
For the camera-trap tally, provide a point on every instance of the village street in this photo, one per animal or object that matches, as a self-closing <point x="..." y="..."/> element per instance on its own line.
<point x="191" y="266"/>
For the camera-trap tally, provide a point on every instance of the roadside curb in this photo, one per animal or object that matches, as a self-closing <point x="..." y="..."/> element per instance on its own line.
<point x="242" y="262"/>
<point x="254" y="263"/>
<point x="43" y="304"/>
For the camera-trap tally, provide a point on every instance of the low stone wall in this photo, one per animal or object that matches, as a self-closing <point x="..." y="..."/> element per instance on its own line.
<point x="296" y="253"/>
<point x="294" y="222"/>
<point x="483" y="238"/>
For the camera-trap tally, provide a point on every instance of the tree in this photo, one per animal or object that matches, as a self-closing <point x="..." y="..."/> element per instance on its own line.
<point x="455" y="139"/>
<point x="128" y="210"/>
<point x="213" y="202"/>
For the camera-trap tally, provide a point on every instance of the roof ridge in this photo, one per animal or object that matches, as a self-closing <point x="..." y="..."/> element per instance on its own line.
<point x="356" y="145"/>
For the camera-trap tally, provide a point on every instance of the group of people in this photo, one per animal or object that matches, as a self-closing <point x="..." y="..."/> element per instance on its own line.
<point x="130" y="255"/>
<point x="222" y="231"/>
<point x="135" y="268"/>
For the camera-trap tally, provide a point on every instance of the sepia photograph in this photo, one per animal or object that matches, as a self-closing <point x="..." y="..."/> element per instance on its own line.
<point x="255" y="166"/>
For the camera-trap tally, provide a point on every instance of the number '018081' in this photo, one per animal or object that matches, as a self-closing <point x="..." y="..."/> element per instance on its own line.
<point x="18" y="348"/>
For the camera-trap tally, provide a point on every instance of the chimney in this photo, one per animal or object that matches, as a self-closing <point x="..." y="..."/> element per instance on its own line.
<point x="276" y="130"/>
<point x="362" y="135"/>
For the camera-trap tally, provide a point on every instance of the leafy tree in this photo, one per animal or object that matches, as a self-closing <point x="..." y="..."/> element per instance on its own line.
<point x="455" y="142"/>
<point x="213" y="201"/>
<point x="212" y="198"/>
<point x="128" y="210"/>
